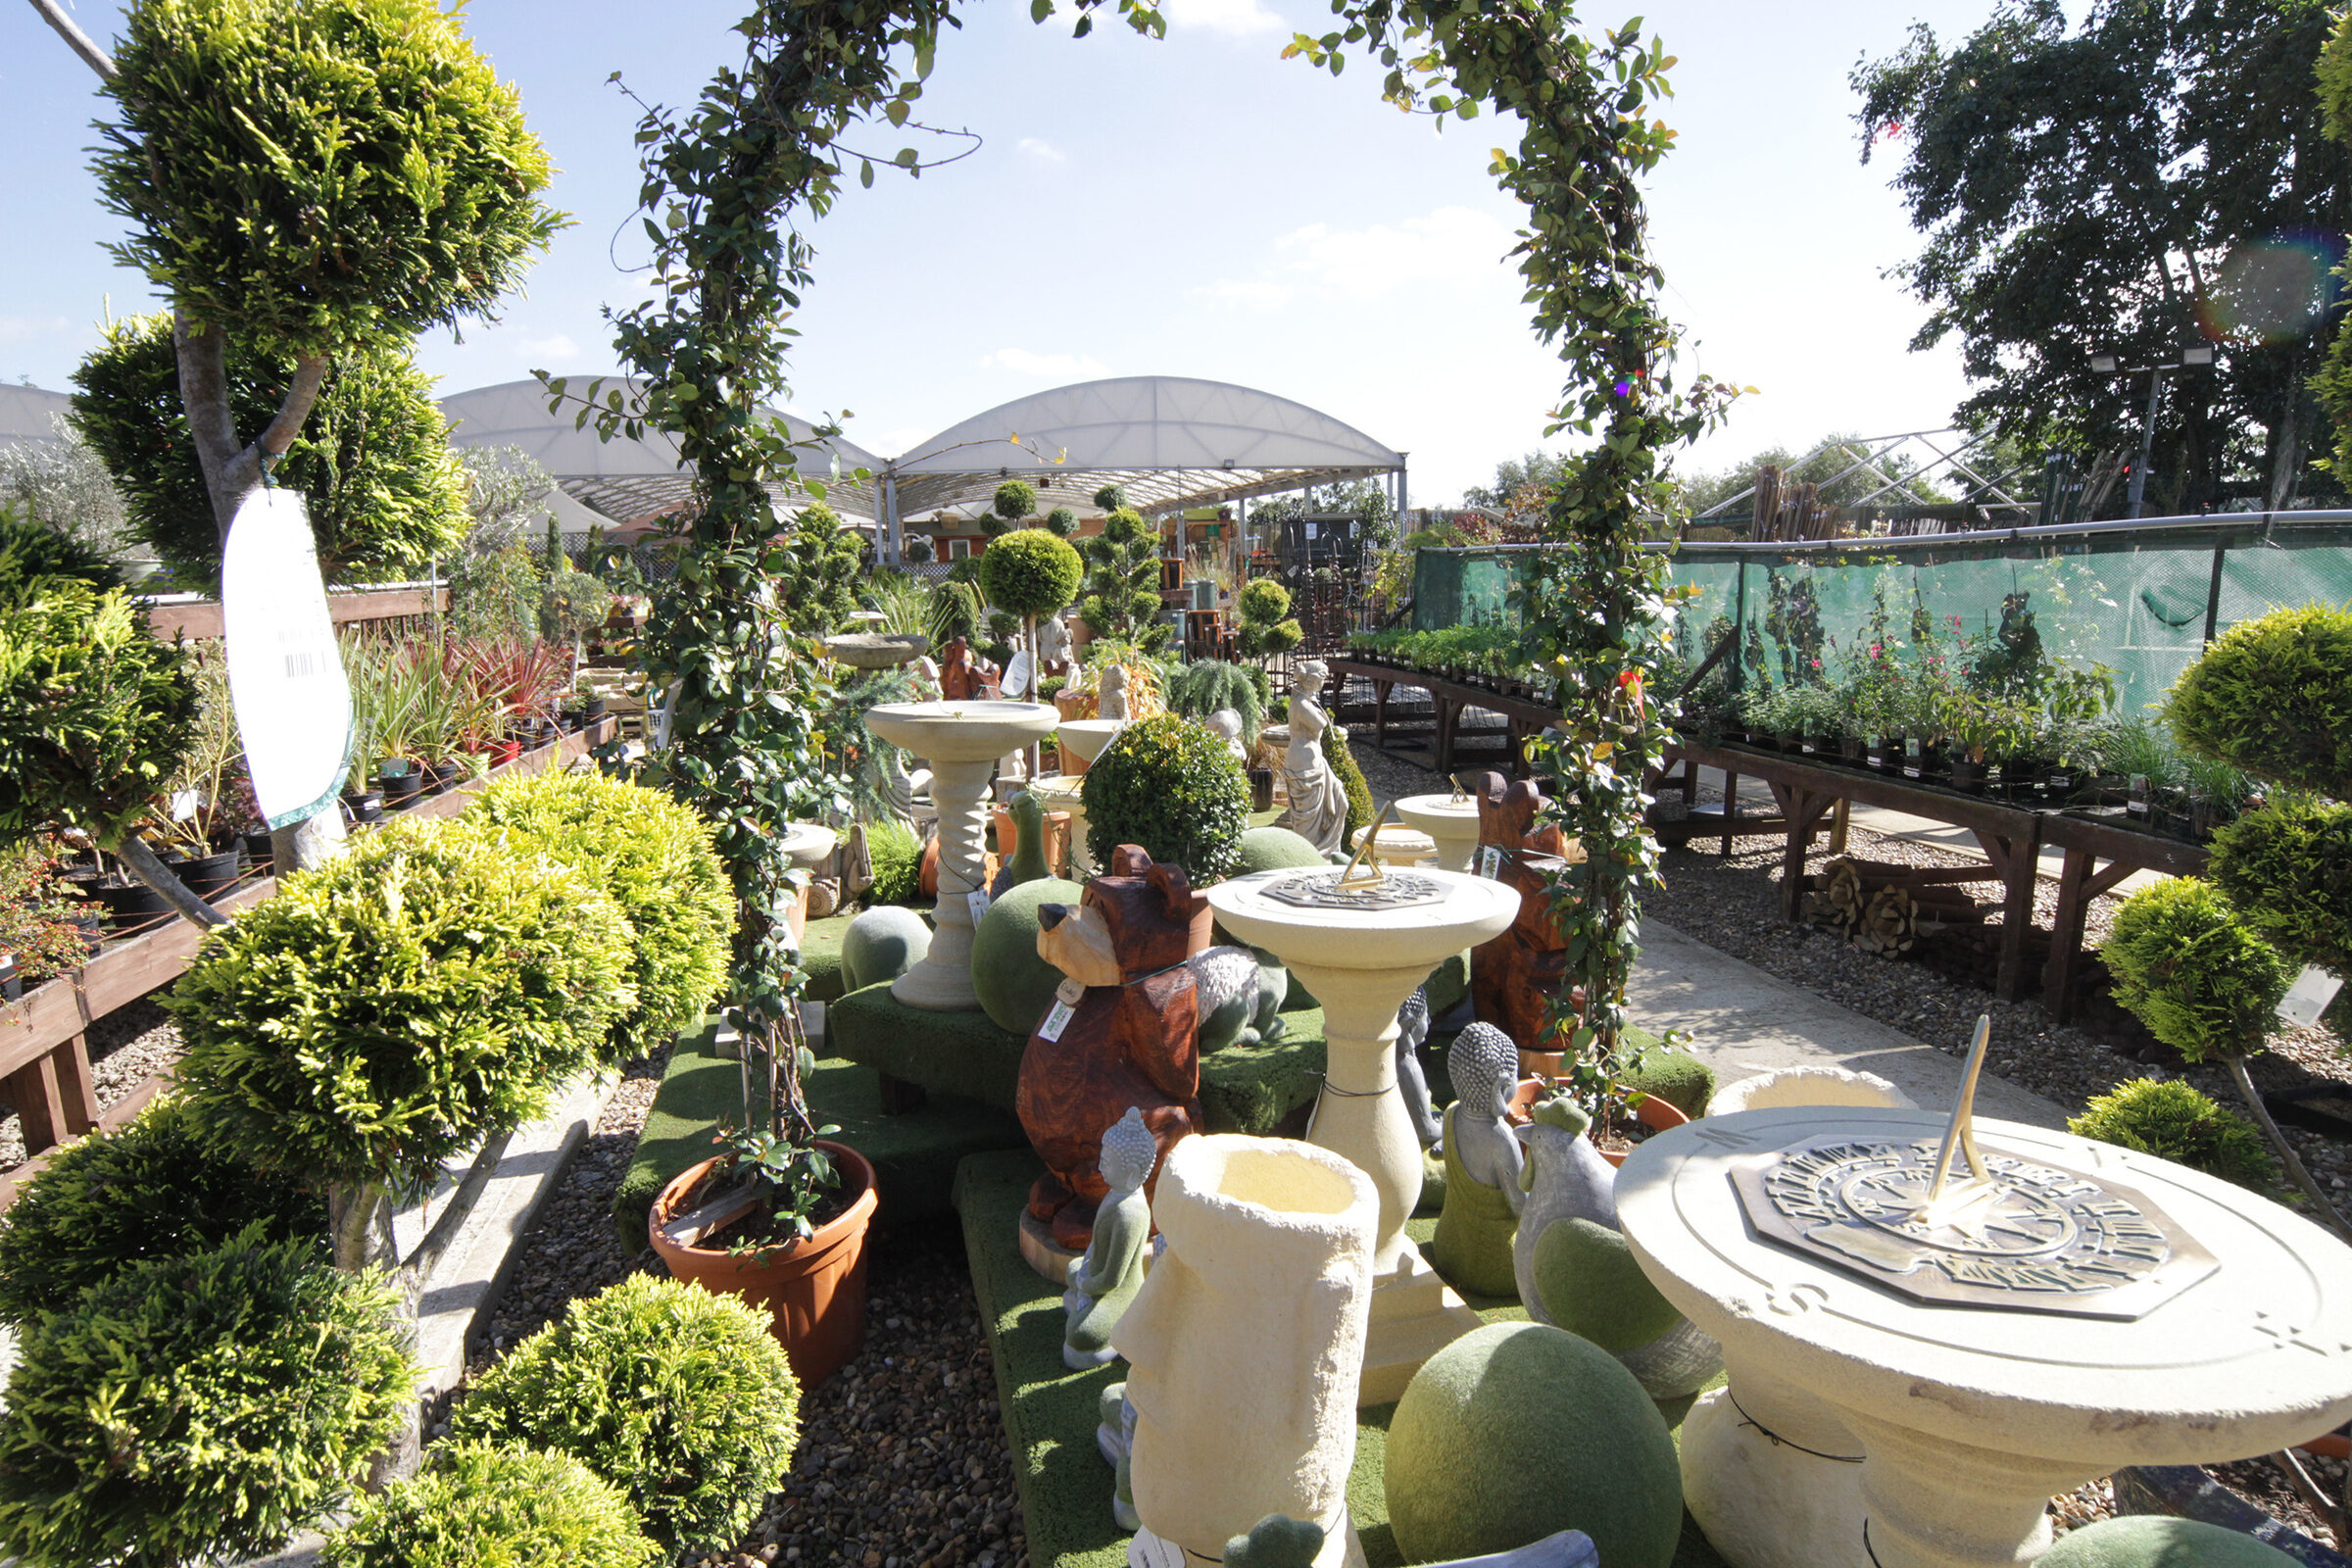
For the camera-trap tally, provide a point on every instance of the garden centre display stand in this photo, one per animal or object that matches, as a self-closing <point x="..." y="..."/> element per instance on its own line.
<point x="1450" y="821"/>
<point x="961" y="741"/>
<point x="1362" y="957"/>
<point x="1959" y="1353"/>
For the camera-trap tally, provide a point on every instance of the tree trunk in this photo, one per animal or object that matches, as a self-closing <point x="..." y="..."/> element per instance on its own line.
<point x="140" y="862"/>
<point x="2323" y="1211"/>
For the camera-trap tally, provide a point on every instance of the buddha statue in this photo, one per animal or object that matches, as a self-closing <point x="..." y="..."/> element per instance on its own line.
<point x="1412" y="1028"/>
<point x="1104" y="1279"/>
<point x="1246" y="1344"/>
<point x="1472" y="1246"/>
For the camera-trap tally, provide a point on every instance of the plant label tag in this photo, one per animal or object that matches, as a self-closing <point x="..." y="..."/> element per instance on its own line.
<point x="1490" y="861"/>
<point x="183" y="805"/>
<point x="977" y="902"/>
<point x="1016" y="675"/>
<point x="2308" y="996"/>
<point x="1056" y="1020"/>
<point x="285" y="671"/>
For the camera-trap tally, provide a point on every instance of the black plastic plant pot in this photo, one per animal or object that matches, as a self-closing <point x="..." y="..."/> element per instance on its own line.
<point x="441" y="775"/>
<point x="209" y="876"/>
<point x="258" y="848"/>
<point x="366" y="806"/>
<point x="133" y="906"/>
<point x="1851" y="747"/>
<point x="1969" y="776"/>
<point x="12" y="980"/>
<point x="1261" y="789"/>
<point x="593" y="709"/>
<point x="400" y="789"/>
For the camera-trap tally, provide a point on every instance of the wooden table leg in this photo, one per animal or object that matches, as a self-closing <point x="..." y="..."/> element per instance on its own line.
<point x="1837" y="826"/>
<point x="1380" y="714"/>
<point x="39" y="1103"/>
<point x="76" y="1091"/>
<point x="1445" y="712"/>
<point x="2016" y="859"/>
<point x="1801" y="809"/>
<point x="1731" y="808"/>
<point x="2065" y="935"/>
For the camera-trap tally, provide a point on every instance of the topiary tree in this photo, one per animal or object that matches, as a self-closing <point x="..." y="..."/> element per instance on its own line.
<point x="1062" y="522"/>
<point x="156" y="1187"/>
<point x="386" y="1011"/>
<point x="481" y="1507"/>
<point x="679" y="1396"/>
<point x="2179" y="1122"/>
<point x="1111" y="498"/>
<point x="653" y="858"/>
<point x="2206" y="985"/>
<point x="1014" y="499"/>
<point x="2273" y="696"/>
<point x="1122" y="581"/>
<point x="818" y="569"/>
<point x="198" y="1409"/>
<point x="371" y="463"/>
<point x="1266" y="628"/>
<point x="1030" y="572"/>
<point x="2287" y="869"/>
<point x="1169" y="785"/>
<point x="1341" y="758"/>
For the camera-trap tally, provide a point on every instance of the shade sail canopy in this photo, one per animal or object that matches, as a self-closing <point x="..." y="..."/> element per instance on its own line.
<point x="621" y="478"/>
<point x="1169" y="441"/>
<point x="26" y="413"/>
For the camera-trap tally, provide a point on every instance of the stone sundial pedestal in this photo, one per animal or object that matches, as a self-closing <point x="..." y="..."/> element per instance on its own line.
<point x="1450" y="820"/>
<point x="2052" y="1310"/>
<point x="961" y="741"/>
<point x="1362" y="952"/>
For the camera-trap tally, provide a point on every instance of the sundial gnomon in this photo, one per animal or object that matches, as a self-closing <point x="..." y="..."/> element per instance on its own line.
<point x="1363" y="884"/>
<point x="2009" y="1233"/>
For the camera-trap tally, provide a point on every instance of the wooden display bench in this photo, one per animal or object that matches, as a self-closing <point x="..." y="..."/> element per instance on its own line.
<point x="44" y="1036"/>
<point x="1522" y="713"/>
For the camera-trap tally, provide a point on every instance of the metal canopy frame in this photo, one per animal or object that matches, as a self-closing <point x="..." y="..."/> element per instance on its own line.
<point x="1948" y="454"/>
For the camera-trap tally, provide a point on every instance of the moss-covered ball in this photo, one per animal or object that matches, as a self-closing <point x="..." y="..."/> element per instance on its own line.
<point x="1678" y="1078"/>
<point x="1276" y="849"/>
<point x="882" y="944"/>
<point x="2159" y="1540"/>
<point x="1518" y="1430"/>
<point x="1592" y="1285"/>
<point x="1015" y="985"/>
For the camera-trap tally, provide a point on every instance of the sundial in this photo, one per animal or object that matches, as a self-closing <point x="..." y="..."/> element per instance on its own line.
<point x="1941" y="1220"/>
<point x="1362" y="884"/>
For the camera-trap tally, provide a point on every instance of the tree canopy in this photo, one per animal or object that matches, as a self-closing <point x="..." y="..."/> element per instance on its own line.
<point x="2156" y="178"/>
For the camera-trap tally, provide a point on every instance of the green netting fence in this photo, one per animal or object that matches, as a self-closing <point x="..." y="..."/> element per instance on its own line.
<point x="2140" y="598"/>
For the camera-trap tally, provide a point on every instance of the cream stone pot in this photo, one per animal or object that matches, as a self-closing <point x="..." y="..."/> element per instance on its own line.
<point x="1452" y="824"/>
<point x="1967" y="1418"/>
<point x="1361" y="964"/>
<point x="961" y="741"/>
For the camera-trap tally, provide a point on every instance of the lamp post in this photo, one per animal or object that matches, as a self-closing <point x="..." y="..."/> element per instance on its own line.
<point x="2105" y="365"/>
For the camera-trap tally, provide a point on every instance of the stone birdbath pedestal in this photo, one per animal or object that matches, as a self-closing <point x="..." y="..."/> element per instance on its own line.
<point x="2059" y="1308"/>
<point x="1362" y="952"/>
<point x="961" y="741"/>
<point x="1450" y="821"/>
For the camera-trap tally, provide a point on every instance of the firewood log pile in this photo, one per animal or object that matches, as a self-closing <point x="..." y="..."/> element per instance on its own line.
<point x="1882" y="907"/>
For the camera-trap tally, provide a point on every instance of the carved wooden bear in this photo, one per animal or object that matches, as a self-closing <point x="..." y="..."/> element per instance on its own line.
<point x="1514" y="975"/>
<point x="1133" y="1040"/>
<point x="963" y="676"/>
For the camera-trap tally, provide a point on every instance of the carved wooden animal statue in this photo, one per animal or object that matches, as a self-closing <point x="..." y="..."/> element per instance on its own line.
<point x="1514" y="976"/>
<point x="961" y="678"/>
<point x="1132" y="1039"/>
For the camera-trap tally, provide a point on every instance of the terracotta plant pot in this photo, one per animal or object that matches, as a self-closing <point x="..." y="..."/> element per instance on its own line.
<point x="928" y="876"/>
<point x="1652" y="1112"/>
<point x="813" y="1290"/>
<point x="1008" y="837"/>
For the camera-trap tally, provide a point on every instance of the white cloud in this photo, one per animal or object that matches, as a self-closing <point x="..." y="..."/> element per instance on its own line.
<point x="23" y="329"/>
<point x="1248" y="293"/>
<point x="1450" y="245"/>
<point x="1238" y="19"/>
<point x="1045" y="152"/>
<point x="1026" y="362"/>
<point x="556" y="347"/>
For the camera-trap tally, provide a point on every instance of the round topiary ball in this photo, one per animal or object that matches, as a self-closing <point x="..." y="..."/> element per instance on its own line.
<point x="2159" y="1540"/>
<point x="1170" y="785"/>
<point x="1677" y="1077"/>
<point x="1276" y="849"/>
<point x="2288" y="870"/>
<point x="1030" y="571"/>
<point x="2200" y="977"/>
<point x="477" y="1504"/>
<point x="2273" y="696"/>
<point x="882" y="944"/>
<point x="1593" y="1285"/>
<point x="680" y="1398"/>
<point x="1518" y="1430"/>
<point x="1016" y="985"/>
<point x="2180" y="1122"/>
<point x="1062" y="521"/>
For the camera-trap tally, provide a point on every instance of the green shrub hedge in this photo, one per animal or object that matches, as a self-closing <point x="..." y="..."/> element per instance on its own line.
<point x="2274" y="698"/>
<point x="897" y="860"/>
<point x="386" y="1010"/>
<point x="655" y="856"/>
<point x="2186" y="966"/>
<point x="680" y="1398"/>
<point x="1030" y="571"/>
<point x="1168" y="784"/>
<point x="2288" y="868"/>
<point x="479" y="1506"/>
<point x="155" y="1187"/>
<point x="198" y="1407"/>
<point x="2180" y="1122"/>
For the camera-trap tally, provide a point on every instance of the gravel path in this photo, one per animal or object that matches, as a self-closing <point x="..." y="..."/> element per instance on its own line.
<point x="127" y="1047"/>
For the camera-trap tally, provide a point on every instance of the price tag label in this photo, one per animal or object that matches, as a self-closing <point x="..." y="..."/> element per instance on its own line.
<point x="285" y="671"/>
<point x="1490" y="861"/>
<point x="1056" y="1020"/>
<point x="1070" y="991"/>
<point x="183" y="805"/>
<point x="1016" y="674"/>
<point x="2308" y="996"/>
<point x="977" y="902"/>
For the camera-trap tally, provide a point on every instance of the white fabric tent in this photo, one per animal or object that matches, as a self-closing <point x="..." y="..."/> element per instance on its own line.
<point x="27" y="412"/>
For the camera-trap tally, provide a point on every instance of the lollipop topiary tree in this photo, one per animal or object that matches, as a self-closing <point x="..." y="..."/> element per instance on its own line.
<point x="1030" y="572"/>
<point x="1062" y="521"/>
<point x="1268" y="628"/>
<point x="1014" y="499"/>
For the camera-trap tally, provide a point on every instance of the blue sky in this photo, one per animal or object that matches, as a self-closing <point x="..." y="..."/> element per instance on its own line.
<point x="1193" y="207"/>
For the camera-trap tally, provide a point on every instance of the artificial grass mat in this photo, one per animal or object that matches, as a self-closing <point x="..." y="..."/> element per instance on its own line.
<point x="820" y="956"/>
<point x="1049" y="1411"/>
<point x="914" y="1153"/>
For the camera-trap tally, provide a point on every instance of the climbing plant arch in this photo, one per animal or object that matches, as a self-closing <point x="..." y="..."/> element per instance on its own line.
<point x="767" y="139"/>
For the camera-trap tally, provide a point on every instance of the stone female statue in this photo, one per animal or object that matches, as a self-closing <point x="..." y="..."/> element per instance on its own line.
<point x="1104" y="1279"/>
<point x="1318" y="810"/>
<point x="1472" y="1246"/>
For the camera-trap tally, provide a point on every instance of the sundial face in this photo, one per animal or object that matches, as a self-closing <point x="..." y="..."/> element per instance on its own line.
<point x="1324" y="890"/>
<point x="2015" y="1234"/>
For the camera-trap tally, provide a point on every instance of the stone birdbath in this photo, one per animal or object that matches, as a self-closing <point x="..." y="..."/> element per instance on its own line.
<point x="877" y="650"/>
<point x="1449" y="820"/>
<point x="1362" y="952"/>
<point x="961" y="741"/>
<point x="1397" y="846"/>
<point x="1085" y="738"/>
<point x="2069" y="1309"/>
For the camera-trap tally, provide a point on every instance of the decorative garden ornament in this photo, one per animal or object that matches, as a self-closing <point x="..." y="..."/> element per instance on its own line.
<point x="1247" y="1344"/>
<point x="1105" y="1279"/>
<point x="1412" y="1029"/>
<point x="1226" y="725"/>
<point x="1473" y="1243"/>
<point x="1052" y="646"/>
<point x="1318" y="809"/>
<point x="1111" y="699"/>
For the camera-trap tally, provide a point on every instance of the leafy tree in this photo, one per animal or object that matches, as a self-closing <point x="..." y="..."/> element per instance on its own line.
<point x="373" y="463"/>
<point x="62" y="486"/>
<point x="1538" y="467"/>
<point x="1121" y="597"/>
<point x="1701" y="489"/>
<point x="1367" y="499"/>
<point x="2120" y="188"/>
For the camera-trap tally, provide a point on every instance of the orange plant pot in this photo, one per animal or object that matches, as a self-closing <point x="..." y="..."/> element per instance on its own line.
<point x="1652" y="1112"/>
<point x="928" y="877"/>
<point x="1057" y="837"/>
<point x="813" y="1290"/>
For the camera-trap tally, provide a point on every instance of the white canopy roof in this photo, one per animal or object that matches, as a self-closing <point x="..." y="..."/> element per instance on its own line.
<point x="27" y="412"/>
<point x="1170" y="441"/>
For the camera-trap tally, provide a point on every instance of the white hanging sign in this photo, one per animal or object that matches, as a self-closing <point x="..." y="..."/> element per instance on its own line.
<point x="1016" y="675"/>
<point x="285" y="673"/>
